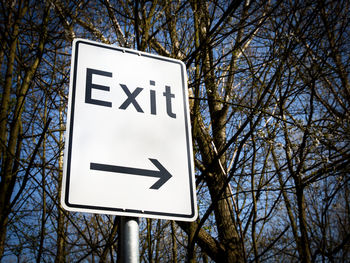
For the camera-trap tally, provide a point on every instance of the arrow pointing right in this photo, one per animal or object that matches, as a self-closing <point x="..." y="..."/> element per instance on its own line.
<point x="161" y="173"/>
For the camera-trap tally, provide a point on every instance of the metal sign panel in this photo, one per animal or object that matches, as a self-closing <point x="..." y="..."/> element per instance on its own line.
<point x="128" y="142"/>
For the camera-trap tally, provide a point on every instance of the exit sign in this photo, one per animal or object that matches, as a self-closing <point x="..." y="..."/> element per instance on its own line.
<point x="128" y="142"/>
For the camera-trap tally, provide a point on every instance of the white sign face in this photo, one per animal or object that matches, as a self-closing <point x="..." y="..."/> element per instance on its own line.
<point x="128" y="142"/>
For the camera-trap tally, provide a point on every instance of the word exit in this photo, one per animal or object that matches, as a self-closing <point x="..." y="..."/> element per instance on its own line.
<point x="130" y="92"/>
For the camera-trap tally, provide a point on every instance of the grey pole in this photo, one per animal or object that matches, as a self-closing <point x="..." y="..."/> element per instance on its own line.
<point x="129" y="231"/>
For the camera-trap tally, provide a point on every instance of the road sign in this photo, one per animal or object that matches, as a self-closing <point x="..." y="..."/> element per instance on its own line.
<point x="128" y="145"/>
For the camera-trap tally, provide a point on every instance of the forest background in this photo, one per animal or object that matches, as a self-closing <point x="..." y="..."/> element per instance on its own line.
<point x="269" y="99"/>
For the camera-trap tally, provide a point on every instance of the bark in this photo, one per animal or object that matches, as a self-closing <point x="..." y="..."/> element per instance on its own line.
<point x="174" y="243"/>
<point x="216" y="180"/>
<point x="191" y="253"/>
<point x="149" y="241"/>
<point x="110" y="240"/>
<point x="8" y="171"/>
<point x="61" y="239"/>
<point x="43" y="182"/>
<point x="211" y="246"/>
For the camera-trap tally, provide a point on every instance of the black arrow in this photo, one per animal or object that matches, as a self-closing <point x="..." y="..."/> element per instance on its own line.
<point x="162" y="173"/>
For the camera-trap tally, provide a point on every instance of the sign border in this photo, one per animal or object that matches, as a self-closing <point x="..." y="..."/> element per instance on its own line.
<point x="69" y="142"/>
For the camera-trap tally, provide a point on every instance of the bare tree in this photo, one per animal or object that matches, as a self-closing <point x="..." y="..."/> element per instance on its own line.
<point x="269" y="99"/>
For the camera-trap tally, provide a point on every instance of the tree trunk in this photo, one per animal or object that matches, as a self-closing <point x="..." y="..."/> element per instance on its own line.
<point x="60" y="251"/>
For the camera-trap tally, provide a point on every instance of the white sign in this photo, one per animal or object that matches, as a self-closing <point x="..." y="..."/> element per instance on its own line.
<point x="128" y="142"/>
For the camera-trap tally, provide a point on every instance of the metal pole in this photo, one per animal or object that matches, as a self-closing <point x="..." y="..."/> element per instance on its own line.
<point x="129" y="245"/>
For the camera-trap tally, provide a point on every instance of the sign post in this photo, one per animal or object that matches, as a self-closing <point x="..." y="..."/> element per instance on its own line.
<point x="129" y="243"/>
